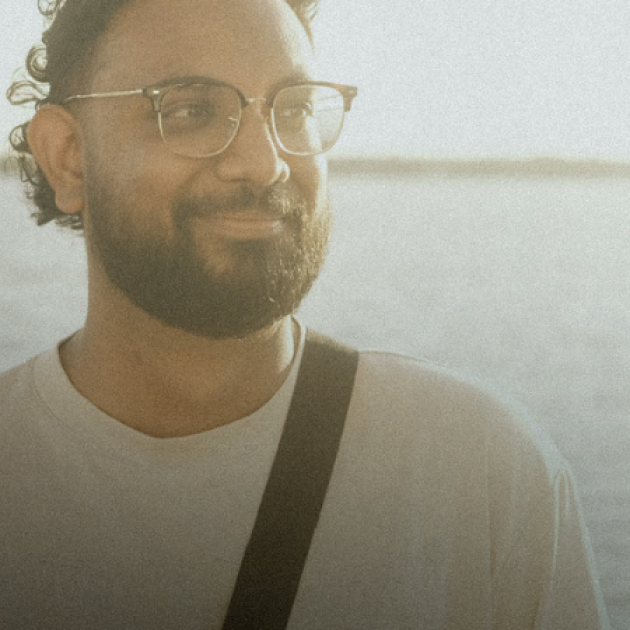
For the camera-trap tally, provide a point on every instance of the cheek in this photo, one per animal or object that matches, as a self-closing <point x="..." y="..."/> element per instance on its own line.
<point x="143" y="182"/>
<point x="310" y="174"/>
<point x="126" y="154"/>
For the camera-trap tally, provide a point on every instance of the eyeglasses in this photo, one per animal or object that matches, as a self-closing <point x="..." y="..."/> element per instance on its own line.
<point x="201" y="117"/>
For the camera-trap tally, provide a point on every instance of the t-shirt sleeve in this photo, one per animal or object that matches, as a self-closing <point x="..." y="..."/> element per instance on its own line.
<point x="547" y="580"/>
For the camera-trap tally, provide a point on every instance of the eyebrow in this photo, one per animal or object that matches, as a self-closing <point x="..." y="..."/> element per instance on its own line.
<point x="296" y="78"/>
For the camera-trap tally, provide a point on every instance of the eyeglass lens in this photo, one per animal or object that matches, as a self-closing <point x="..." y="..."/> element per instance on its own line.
<point x="200" y="120"/>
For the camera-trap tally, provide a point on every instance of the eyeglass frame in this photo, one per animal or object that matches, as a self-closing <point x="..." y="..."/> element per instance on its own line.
<point x="156" y="92"/>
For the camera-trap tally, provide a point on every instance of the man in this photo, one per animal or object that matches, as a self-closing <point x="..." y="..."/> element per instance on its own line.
<point x="135" y="455"/>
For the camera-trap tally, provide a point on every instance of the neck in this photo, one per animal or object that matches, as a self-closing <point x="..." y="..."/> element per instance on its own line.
<point x="167" y="383"/>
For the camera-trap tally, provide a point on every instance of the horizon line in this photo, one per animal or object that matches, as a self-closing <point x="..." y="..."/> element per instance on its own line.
<point x="404" y="166"/>
<point x="546" y="166"/>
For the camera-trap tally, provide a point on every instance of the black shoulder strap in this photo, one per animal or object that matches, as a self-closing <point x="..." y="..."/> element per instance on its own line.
<point x="274" y="558"/>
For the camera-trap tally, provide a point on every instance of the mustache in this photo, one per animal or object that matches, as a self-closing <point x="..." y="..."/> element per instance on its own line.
<point x="278" y="200"/>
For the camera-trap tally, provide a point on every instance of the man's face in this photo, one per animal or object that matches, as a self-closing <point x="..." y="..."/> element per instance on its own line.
<point x="219" y="246"/>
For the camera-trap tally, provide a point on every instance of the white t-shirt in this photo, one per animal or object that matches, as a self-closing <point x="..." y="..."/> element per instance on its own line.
<point x="445" y="511"/>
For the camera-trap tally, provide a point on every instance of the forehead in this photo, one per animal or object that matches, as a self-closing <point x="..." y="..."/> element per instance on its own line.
<point x="250" y="43"/>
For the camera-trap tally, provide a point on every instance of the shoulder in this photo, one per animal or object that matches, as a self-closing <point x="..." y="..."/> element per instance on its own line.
<point x="432" y="437"/>
<point x="20" y="395"/>
<point x="15" y="380"/>
<point x="422" y="382"/>
<point x="18" y="401"/>
<point x="450" y="417"/>
<point x="456" y="444"/>
<point x="429" y="388"/>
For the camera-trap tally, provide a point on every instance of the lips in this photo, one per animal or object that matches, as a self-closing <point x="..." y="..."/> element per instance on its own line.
<point x="243" y="225"/>
<point x="244" y="214"/>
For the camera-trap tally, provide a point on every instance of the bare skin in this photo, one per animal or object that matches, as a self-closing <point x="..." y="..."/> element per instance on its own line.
<point x="166" y="387"/>
<point x="162" y="381"/>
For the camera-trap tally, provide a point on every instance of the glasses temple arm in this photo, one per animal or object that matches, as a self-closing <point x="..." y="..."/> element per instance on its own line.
<point x="78" y="97"/>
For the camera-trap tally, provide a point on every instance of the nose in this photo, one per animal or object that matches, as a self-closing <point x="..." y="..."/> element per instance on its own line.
<point x="253" y="154"/>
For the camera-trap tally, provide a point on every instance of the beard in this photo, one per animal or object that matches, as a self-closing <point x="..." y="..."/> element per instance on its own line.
<point x="175" y="280"/>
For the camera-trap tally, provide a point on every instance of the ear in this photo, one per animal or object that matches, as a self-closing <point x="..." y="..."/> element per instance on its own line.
<point x="55" y="140"/>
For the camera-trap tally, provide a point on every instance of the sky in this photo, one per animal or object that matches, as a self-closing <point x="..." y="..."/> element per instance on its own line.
<point x="454" y="78"/>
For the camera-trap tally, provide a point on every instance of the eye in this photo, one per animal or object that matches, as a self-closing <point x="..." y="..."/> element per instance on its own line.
<point x="192" y="112"/>
<point x="295" y="111"/>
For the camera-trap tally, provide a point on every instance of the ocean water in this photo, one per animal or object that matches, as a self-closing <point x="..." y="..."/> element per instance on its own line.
<point x="522" y="282"/>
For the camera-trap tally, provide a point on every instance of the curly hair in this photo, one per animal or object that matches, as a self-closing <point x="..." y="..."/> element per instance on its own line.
<point x="54" y="69"/>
